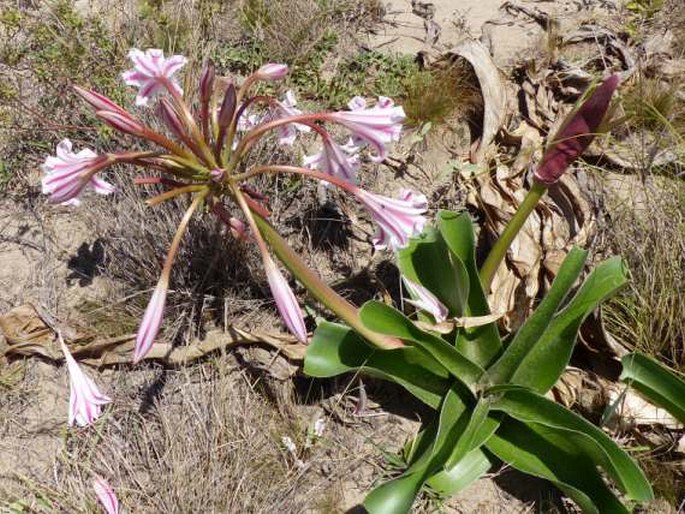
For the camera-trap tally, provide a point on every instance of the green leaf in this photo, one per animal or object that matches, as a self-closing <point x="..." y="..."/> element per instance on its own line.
<point x="481" y="344"/>
<point x="426" y="260"/>
<point x="336" y="349"/>
<point x="457" y="478"/>
<point x="529" y="407"/>
<point x="656" y="382"/>
<point x="544" y="363"/>
<point x="478" y="430"/>
<point x="384" y="319"/>
<point x="397" y="496"/>
<point x="535" y="326"/>
<point x="548" y="453"/>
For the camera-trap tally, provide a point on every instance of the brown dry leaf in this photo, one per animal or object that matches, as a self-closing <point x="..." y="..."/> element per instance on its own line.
<point x="27" y="334"/>
<point x="564" y="218"/>
<point x="493" y="91"/>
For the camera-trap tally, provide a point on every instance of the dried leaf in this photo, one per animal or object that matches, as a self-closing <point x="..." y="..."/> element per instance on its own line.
<point x="493" y="91"/>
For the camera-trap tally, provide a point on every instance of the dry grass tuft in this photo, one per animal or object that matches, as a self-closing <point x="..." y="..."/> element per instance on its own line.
<point x="652" y="104"/>
<point x="201" y="439"/>
<point x="649" y="316"/>
<point x="437" y="95"/>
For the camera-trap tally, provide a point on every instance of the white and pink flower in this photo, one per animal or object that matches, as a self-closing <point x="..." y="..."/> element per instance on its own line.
<point x="377" y="125"/>
<point x="85" y="399"/>
<point x="285" y="108"/>
<point x="106" y="496"/>
<point x="152" y="73"/>
<point x="68" y="173"/>
<point x="152" y="321"/>
<point x="398" y="219"/>
<point x="423" y="299"/>
<point x="285" y="300"/>
<point x="335" y="160"/>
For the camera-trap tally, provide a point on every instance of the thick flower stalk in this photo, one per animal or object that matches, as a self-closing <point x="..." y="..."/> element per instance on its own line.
<point x="202" y="152"/>
<point x="85" y="399"/>
<point x="575" y="135"/>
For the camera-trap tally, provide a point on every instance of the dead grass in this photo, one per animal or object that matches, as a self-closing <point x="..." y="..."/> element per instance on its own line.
<point x="438" y="95"/>
<point x="649" y="232"/>
<point x="206" y="438"/>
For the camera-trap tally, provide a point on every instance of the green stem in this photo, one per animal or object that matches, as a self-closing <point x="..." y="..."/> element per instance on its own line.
<point x="319" y="289"/>
<point x="499" y="250"/>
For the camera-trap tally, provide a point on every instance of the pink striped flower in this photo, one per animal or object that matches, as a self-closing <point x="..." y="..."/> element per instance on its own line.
<point x="68" y="173"/>
<point x="152" y="321"/>
<point x="285" y="300"/>
<point x="398" y="219"/>
<point x="152" y="72"/>
<point x="576" y="134"/>
<point x="377" y="125"/>
<point x="335" y="160"/>
<point x="285" y="108"/>
<point x="106" y="496"/>
<point x="85" y="400"/>
<point x="272" y="71"/>
<point x="423" y="299"/>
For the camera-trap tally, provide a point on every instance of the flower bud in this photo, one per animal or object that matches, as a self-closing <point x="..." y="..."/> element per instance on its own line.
<point x="170" y="118"/>
<point x="272" y="71"/>
<point x="207" y="82"/>
<point x="576" y="134"/>
<point x="100" y="102"/>
<point x="122" y="123"/>
<point x="227" y="109"/>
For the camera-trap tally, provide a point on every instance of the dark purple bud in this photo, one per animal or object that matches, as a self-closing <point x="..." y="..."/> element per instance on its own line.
<point x="227" y="107"/>
<point x="576" y="134"/>
<point x="207" y="82"/>
<point x="170" y="118"/>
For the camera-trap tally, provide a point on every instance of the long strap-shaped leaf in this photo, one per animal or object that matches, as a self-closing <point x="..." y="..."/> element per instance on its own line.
<point x="655" y="381"/>
<point x="529" y="407"/>
<point x="544" y="363"/>
<point x="535" y="326"/>
<point x="548" y="453"/>
<point x="336" y="349"/>
<point x="458" y="428"/>
<point x="481" y="344"/>
<point x="384" y="319"/>
<point x="426" y="260"/>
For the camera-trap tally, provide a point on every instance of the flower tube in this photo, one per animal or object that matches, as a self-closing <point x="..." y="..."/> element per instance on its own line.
<point x="85" y="399"/>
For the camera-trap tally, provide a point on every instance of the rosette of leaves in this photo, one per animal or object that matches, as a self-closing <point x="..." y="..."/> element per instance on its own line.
<point x="488" y="394"/>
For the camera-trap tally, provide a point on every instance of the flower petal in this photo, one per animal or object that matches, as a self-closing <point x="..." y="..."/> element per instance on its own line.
<point x="106" y="496"/>
<point x="151" y="322"/>
<point x="85" y="399"/>
<point x="285" y="300"/>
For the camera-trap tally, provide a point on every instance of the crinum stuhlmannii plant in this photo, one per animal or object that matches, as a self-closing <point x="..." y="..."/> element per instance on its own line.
<point x="203" y="154"/>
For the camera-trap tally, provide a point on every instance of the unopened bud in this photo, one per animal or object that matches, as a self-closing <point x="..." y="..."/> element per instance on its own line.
<point x="272" y="71"/>
<point x="207" y="82"/>
<point x="122" y="123"/>
<point x="576" y="134"/>
<point x="170" y="118"/>
<point x="227" y="107"/>
<point x="100" y="102"/>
